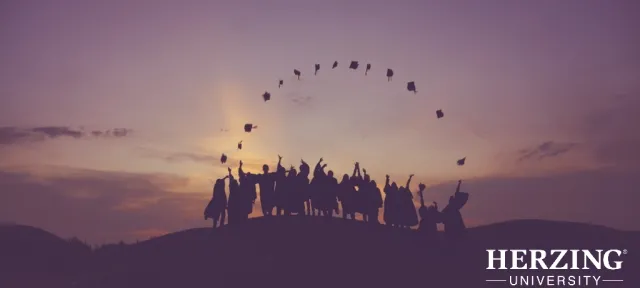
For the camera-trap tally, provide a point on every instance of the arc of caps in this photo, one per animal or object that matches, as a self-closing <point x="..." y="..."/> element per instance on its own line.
<point x="354" y="65"/>
<point x="411" y="86"/>
<point x="248" y="127"/>
<point x="389" y="74"/>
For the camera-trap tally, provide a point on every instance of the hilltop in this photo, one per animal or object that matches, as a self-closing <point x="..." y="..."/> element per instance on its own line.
<point x="294" y="252"/>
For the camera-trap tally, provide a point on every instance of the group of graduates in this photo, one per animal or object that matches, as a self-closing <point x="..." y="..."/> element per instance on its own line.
<point x="291" y="192"/>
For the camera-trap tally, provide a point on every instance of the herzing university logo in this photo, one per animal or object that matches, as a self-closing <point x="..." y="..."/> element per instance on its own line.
<point x="559" y="259"/>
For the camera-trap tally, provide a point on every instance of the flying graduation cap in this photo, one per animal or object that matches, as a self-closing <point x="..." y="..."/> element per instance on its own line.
<point x="240" y="145"/>
<point x="248" y="127"/>
<point x="297" y="73"/>
<point x="411" y="86"/>
<point x="461" y="161"/>
<point x="266" y="96"/>
<point x="317" y="68"/>
<point x="335" y="64"/>
<point x="354" y="65"/>
<point x="223" y="159"/>
<point x="280" y="83"/>
<point x="368" y="68"/>
<point x="389" y="74"/>
<point x="439" y="113"/>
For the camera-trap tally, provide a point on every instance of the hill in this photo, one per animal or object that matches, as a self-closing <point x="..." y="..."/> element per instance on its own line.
<point x="299" y="252"/>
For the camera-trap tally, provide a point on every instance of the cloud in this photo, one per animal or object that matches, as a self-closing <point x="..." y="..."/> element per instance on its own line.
<point x="17" y="135"/>
<point x="602" y="196"/>
<point x="99" y="206"/>
<point x="610" y="130"/>
<point x="202" y="158"/>
<point x="545" y="150"/>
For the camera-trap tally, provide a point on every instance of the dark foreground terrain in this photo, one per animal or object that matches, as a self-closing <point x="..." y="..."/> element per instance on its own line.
<point x="301" y="252"/>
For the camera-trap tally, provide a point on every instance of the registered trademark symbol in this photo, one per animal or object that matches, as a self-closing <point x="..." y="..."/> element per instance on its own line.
<point x="624" y="251"/>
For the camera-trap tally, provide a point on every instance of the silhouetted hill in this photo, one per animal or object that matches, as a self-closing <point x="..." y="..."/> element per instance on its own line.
<point x="307" y="251"/>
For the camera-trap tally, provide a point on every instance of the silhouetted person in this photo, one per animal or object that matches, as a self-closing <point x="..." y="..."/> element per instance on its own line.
<point x="330" y="194"/>
<point x="429" y="217"/>
<point x="374" y="201"/>
<point x="235" y="208"/>
<point x="316" y="188"/>
<point x="454" y="227"/>
<point x="267" y="183"/>
<point x="303" y="186"/>
<point x="248" y="188"/>
<point x="390" y="203"/>
<point x="360" y="199"/>
<point x="280" y="197"/>
<point x="408" y="215"/>
<point x="217" y="207"/>
<point x="346" y="193"/>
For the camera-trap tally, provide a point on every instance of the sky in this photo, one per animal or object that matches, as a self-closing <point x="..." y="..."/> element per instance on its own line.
<point x="114" y="114"/>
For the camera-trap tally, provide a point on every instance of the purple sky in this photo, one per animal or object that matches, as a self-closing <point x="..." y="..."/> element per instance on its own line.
<point x="540" y="96"/>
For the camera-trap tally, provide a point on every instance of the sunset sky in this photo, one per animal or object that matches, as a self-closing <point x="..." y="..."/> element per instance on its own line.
<point x="542" y="97"/>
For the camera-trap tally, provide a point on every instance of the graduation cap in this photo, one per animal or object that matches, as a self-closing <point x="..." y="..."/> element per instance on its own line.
<point x="266" y="96"/>
<point x="335" y="64"/>
<point x="439" y="114"/>
<point x="411" y="86"/>
<point x="248" y="127"/>
<point x="461" y="161"/>
<point x="280" y="83"/>
<point x="389" y="74"/>
<point x="240" y="145"/>
<point x="297" y="73"/>
<point x="223" y="159"/>
<point x="317" y="68"/>
<point x="354" y="65"/>
<point x="368" y="68"/>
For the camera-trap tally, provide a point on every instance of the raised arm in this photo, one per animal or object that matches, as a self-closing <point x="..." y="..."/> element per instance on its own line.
<point x="409" y="182"/>
<point x="355" y="169"/>
<point x="386" y="184"/>
<point x="280" y="162"/>
<point x="422" y="187"/>
<point x="318" y="166"/>
<point x="458" y="188"/>
<point x="240" y="171"/>
<point x="230" y="175"/>
<point x="365" y="172"/>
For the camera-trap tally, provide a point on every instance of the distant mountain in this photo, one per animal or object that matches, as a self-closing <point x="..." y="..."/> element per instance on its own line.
<point x="297" y="252"/>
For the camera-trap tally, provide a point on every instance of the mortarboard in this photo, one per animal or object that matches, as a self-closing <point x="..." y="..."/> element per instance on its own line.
<point x="335" y="64"/>
<point x="248" y="127"/>
<point x="239" y="145"/>
<point x="368" y="68"/>
<point x="280" y="83"/>
<point x="354" y="65"/>
<point x="389" y="74"/>
<point x="223" y="159"/>
<point x="297" y="73"/>
<point x="439" y="114"/>
<point x="317" y="68"/>
<point x="461" y="161"/>
<point x="411" y="86"/>
<point x="266" y="96"/>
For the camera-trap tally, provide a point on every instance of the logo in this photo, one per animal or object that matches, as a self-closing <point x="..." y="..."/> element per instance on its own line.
<point x="568" y="267"/>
